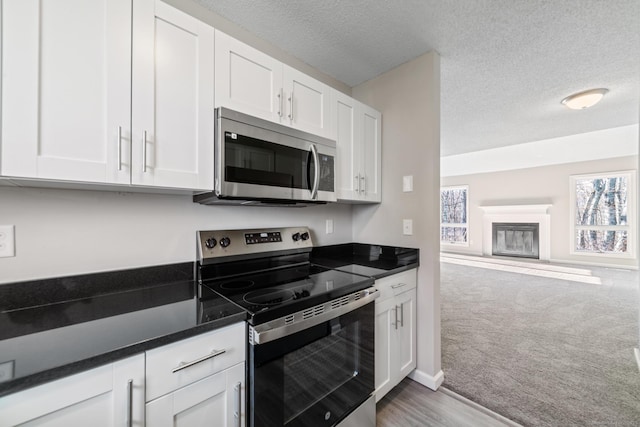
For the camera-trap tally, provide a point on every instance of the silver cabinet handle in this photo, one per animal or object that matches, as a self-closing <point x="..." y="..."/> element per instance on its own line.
<point x="357" y="178"/>
<point x="144" y="151"/>
<point x="396" y="316"/>
<point x="402" y="315"/>
<point x="280" y="103"/>
<point x="184" y="365"/>
<point x="119" y="148"/>
<point x="364" y="184"/>
<point x="237" y="389"/>
<point x="129" y="421"/>
<point x="316" y="175"/>
<point x="291" y="107"/>
<point x="399" y="285"/>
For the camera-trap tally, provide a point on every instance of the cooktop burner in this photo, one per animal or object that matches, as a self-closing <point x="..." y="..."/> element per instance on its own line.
<point x="269" y="296"/>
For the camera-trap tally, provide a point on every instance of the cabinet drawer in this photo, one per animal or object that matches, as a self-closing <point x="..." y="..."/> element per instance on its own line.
<point x="393" y="285"/>
<point x="176" y="365"/>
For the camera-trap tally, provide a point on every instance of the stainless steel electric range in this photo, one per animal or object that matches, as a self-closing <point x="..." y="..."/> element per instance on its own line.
<point x="310" y="328"/>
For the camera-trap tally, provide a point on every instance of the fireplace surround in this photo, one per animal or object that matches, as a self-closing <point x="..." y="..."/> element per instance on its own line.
<point x="523" y="214"/>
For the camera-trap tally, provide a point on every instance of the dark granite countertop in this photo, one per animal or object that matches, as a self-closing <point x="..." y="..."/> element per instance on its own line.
<point x="57" y="327"/>
<point x="375" y="261"/>
<point x="53" y="328"/>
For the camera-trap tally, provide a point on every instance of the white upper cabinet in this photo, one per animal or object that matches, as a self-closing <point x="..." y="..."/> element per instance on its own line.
<point x="371" y="150"/>
<point x="75" y="107"/>
<point x="358" y="137"/>
<point x="308" y="103"/>
<point x="247" y="80"/>
<point x="66" y="89"/>
<point x="254" y="83"/>
<point x="172" y="98"/>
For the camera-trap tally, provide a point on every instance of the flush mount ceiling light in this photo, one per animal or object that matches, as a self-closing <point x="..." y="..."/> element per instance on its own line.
<point x="585" y="99"/>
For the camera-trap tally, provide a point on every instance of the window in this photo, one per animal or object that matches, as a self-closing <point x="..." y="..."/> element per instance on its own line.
<point x="454" y="211"/>
<point x="602" y="214"/>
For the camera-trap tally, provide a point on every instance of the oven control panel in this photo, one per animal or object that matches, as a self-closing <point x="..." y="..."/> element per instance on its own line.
<point x="214" y="245"/>
<point x="263" y="237"/>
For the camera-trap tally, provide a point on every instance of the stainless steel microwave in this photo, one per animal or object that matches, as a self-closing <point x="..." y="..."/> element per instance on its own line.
<point x="260" y="162"/>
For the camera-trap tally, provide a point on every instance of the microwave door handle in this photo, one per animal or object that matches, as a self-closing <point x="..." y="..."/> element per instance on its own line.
<point x="316" y="175"/>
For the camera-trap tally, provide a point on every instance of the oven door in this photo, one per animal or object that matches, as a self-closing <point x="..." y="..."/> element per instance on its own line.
<point x="316" y="376"/>
<point x="261" y="160"/>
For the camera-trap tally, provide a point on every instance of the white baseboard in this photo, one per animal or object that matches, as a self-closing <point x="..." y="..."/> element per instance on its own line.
<point x="430" y="381"/>
<point x="637" y="352"/>
<point x="594" y="264"/>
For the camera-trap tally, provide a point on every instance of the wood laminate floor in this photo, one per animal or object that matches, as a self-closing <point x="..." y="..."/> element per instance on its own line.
<point x="411" y="404"/>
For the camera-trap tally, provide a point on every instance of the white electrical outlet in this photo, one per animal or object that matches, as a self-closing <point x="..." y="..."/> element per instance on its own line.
<point x="7" y="245"/>
<point x="407" y="227"/>
<point x="329" y="226"/>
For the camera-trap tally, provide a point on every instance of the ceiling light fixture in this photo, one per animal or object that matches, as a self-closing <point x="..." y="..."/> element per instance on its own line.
<point x="585" y="99"/>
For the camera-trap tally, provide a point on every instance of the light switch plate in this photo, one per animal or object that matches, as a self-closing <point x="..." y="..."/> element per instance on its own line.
<point x="329" y="226"/>
<point x="407" y="227"/>
<point x="407" y="183"/>
<point x="7" y="241"/>
<point x="6" y="370"/>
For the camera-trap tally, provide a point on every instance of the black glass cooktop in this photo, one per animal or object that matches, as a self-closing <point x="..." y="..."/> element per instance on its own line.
<point x="272" y="294"/>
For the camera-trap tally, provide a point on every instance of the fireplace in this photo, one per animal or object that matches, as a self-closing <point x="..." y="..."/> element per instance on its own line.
<point x="518" y="214"/>
<point x="515" y="239"/>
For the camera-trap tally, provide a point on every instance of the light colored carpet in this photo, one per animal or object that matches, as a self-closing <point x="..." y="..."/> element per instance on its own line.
<point x="543" y="351"/>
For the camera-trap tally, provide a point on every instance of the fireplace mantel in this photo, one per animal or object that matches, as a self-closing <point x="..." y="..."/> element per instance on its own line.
<point x="531" y="213"/>
<point x="505" y="209"/>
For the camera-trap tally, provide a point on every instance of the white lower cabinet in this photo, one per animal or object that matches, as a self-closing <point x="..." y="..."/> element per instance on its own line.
<point x="199" y="381"/>
<point x="110" y="395"/>
<point x="217" y="400"/>
<point x="395" y="333"/>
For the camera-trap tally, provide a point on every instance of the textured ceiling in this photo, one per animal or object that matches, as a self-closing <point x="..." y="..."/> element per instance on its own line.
<point x="505" y="64"/>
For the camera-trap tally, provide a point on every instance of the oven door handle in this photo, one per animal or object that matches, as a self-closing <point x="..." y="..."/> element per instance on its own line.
<point x="279" y="328"/>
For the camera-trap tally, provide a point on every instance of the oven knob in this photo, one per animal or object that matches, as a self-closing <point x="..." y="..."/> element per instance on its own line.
<point x="296" y="237"/>
<point x="210" y="243"/>
<point x="225" y="241"/>
<point x="305" y="236"/>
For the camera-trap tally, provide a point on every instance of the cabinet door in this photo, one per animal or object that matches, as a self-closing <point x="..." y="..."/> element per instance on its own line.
<point x="308" y="103"/>
<point x="172" y="98"/>
<point x="346" y="124"/>
<point x="99" y="397"/>
<point x="217" y="400"/>
<point x="406" y="333"/>
<point x="384" y="337"/>
<point x="370" y="150"/>
<point x="247" y="80"/>
<point x="66" y="89"/>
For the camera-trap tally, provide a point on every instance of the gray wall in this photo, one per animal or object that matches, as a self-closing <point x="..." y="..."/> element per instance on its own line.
<point x="409" y="99"/>
<point x="66" y="232"/>
<point x="545" y="184"/>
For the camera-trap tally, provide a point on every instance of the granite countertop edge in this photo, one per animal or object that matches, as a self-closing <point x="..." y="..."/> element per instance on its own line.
<point x="42" y="377"/>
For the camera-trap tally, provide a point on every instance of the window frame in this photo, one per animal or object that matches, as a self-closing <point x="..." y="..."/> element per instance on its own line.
<point x="455" y="225"/>
<point x="630" y="227"/>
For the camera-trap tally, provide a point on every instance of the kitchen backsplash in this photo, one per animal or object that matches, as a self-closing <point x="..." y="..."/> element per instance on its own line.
<point x="67" y="232"/>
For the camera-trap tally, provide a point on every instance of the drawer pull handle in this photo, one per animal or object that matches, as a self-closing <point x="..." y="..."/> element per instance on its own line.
<point x="129" y="403"/>
<point x="399" y="285"/>
<point x="184" y="365"/>
<point x="238" y="389"/>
